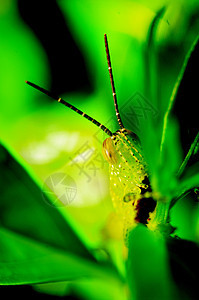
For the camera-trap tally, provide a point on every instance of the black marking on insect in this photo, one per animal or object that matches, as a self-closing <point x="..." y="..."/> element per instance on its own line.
<point x="130" y="187"/>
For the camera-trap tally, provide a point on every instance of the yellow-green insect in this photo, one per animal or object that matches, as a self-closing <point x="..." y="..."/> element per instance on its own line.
<point x="129" y="183"/>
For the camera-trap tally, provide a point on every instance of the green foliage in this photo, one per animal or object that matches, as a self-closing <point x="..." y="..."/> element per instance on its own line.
<point x="37" y="244"/>
<point x="38" y="241"/>
<point x="24" y="205"/>
<point x="147" y="266"/>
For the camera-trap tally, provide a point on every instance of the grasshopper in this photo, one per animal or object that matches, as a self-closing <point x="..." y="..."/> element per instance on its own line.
<point x="130" y="188"/>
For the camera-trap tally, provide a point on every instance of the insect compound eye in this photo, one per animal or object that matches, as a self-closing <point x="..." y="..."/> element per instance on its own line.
<point x="109" y="151"/>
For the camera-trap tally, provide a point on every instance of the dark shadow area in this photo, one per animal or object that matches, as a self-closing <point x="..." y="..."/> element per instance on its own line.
<point x="67" y="65"/>
<point x="186" y="104"/>
<point x="183" y="257"/>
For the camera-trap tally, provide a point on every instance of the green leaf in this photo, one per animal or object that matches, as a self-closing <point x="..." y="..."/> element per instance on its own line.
<point x="151" y="78"/>
<point x="163" y="175"/>
<point x="23" y="261"/>
<point x="171" y="153"/>
<point x="187" y="184"/>
<point x="184" y="217"/>
<point x="36" y="242"/>
<point x="192" y="149"/>
<point x="147" y="266"/>
<point x="26" y="209"/>
<point x="98" y="289"/>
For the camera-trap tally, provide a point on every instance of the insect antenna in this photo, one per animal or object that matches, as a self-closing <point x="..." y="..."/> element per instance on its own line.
<point x="112" y="82"/>
<point x="78" y="111"/>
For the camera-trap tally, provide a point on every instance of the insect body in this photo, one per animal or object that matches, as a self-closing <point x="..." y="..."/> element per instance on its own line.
<point x="130" y="188"/>
<point x="129" y="183"/>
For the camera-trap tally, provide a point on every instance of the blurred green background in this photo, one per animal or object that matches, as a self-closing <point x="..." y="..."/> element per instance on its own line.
<point x="59" y="45"/>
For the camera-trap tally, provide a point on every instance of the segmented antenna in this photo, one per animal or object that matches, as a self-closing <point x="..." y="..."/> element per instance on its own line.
<point x="105" y="129"/>
<point x="112" y="83"/>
